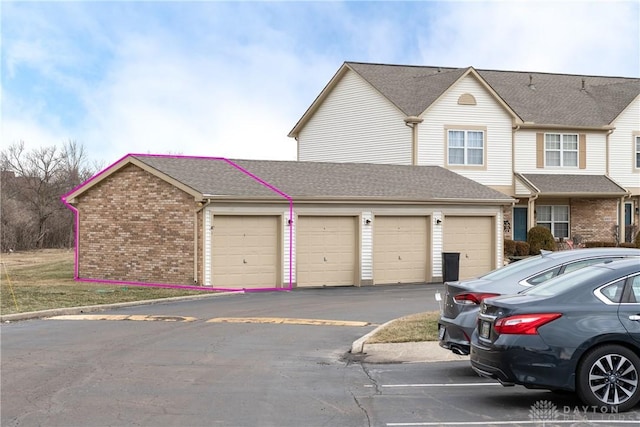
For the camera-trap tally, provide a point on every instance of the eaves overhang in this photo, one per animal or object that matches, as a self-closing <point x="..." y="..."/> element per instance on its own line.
<point x="359" y="200"/>
<point x="582" y="195"/>
<point x="567" y="127"/>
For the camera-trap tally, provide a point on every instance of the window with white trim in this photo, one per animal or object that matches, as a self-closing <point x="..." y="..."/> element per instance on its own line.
<point x="466" y="147"/>
<point x="561" y="150"/>
<point x="638" y="151"/>
<point x="555" y="218"/>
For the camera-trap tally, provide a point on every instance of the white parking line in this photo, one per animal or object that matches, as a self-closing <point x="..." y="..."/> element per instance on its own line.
<point x="536" y="422"/>
<point x="432" y="385"/>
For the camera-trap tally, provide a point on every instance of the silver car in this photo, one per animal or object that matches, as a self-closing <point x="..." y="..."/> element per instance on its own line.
<point x="462" y="298"/>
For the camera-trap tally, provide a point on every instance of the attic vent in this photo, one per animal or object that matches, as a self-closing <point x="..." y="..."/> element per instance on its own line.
<point x="531" y="85"/>
<point x="466" y="99"/>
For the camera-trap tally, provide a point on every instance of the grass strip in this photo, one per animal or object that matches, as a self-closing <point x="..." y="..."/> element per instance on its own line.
<point x="413" y="328"/>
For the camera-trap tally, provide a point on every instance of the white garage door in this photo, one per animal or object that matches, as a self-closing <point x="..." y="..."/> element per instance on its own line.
<point x="326" y="251"/>
<point x="472" y="236"/>
<point x="400" y="249"/>
<point x="245" y="251"/>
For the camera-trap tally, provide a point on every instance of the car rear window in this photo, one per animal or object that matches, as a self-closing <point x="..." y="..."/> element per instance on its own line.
<point x="515" y="267"/>
<point x="567" y="281"/>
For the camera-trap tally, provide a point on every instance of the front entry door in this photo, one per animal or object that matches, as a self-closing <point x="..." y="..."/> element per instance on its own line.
<point x="520" y="224"/>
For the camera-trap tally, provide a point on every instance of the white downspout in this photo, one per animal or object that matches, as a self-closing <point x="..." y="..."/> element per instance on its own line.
<point x="412" y="122"/>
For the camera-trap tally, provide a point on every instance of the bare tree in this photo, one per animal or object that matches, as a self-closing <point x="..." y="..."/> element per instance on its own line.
<point x="32" y="182"/>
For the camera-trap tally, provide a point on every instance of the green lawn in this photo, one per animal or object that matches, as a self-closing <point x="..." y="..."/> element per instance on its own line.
<point x="40" y="280"/>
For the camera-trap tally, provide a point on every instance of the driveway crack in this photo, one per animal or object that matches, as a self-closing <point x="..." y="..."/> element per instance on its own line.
<point x="362" y="408"/>
<point x="377" y="389"/>
<point x="373" y="381"/>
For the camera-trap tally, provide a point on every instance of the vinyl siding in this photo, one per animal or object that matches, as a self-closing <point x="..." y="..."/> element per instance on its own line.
<point x="356" y="124"/>
<point x="526" y="156"/>
<point x="208" y="272"/>
<point x="499" y="244"/>
<point x="486" y="113"/>
<point x="289" y="246"/>
<point x="621" y="148"/>
<point x="366" y="245"/>
<point x="437" y="240"/>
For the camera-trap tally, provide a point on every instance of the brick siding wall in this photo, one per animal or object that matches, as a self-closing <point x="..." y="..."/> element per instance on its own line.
<point x="594" y="219"/>
<point x="136" y="227"/>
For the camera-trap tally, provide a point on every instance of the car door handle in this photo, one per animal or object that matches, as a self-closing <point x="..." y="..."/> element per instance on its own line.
<point x="634" y="317"/>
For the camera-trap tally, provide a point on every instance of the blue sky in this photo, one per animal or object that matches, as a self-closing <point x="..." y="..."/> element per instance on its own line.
<point x="231" y="79"/>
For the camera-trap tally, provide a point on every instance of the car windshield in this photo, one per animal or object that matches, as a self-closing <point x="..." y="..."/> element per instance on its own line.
<point x="515" y="267"/>
<point x="565" y="282"/>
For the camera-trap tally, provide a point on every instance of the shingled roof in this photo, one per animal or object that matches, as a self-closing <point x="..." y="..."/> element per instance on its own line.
<point x="572" y="185"/>
<point x="262" y="179"/>
<point x="540" y="98"/>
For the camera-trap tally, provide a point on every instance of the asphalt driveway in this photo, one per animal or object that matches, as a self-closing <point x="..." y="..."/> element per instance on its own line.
<point x="171" y="365"/>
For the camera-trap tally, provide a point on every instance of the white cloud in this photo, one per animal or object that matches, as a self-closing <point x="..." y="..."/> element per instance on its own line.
<point x="586" y="37"/>
<point x="231" y="79"/>
<point x="158" y="98"/>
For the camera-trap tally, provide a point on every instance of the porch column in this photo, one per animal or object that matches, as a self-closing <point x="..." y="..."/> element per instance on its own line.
<point x="621" y="221"/>
<point x="531" y="212"/>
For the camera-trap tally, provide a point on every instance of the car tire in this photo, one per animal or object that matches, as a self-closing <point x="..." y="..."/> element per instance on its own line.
<point x="608" y="376"/>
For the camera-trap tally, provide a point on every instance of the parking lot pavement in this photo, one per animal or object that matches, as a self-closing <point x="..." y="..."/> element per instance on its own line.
<point x="449" y="393"/>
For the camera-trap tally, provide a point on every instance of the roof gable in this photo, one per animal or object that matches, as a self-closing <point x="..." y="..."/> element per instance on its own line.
<point x="535" y="98"/>
<point x="265" y="180"/>
<point x="412" y="89"/>
<point x="115" y="167"/>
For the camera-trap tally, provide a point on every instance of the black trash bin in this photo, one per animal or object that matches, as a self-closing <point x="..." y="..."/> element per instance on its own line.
<point x="450" y="266"/>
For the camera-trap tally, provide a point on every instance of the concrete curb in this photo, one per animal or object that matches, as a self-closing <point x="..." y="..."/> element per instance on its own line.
<point x="102" y="307"/>
<point x="358" y="345"/>
<point x="409" y="352"/>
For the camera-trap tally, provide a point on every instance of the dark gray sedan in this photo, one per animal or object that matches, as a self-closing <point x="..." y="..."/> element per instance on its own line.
<point x="462" y="299"/>
<point x="578" y="332"/>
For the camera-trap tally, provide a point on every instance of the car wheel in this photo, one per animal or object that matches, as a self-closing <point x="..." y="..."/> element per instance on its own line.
<point x="608" y="377"/>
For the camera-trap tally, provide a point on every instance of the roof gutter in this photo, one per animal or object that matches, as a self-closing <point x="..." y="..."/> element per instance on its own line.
<point x="360" y="200"/>
<point x="531" y="125"/>
<point x="585" y="195"/>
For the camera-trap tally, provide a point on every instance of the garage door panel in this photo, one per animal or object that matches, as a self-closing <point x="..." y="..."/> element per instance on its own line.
<point x="400" y="249"/>
<point x="326" y="251"/>
<point x="473" y="238"/>
<point x="245" y="251"/>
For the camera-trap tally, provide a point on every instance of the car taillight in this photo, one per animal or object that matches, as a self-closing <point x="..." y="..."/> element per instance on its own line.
<point x="524" y="324"/>
<point x="473" y="297"/>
